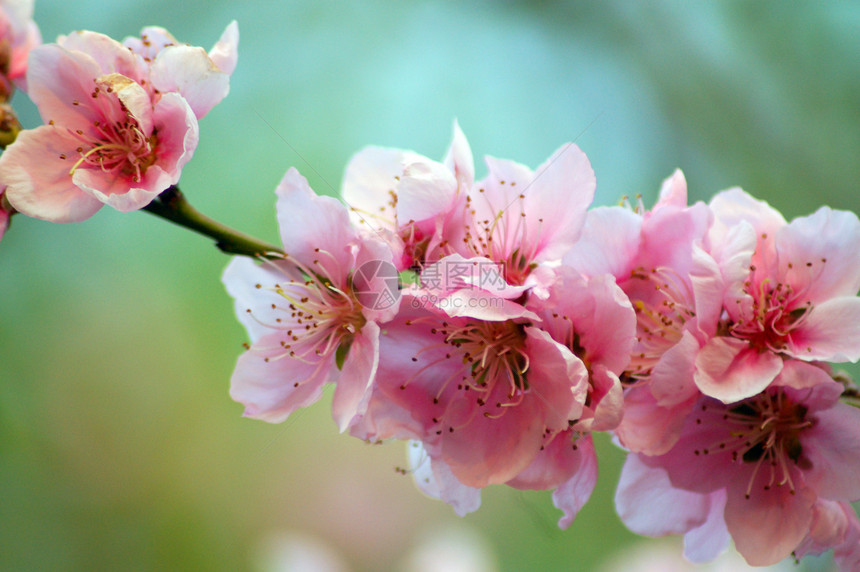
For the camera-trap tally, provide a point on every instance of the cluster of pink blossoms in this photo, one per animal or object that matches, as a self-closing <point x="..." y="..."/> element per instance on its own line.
<point x="120" y="120"/>
<point x="496" y="324"/>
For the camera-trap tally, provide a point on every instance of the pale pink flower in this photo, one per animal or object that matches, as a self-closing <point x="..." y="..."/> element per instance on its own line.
<point x="105" y="141"/>
<point x="303" y="313"/>
<point x="408" y="199"/>
<point x="18" y="35"/>
<point x="775" y="455"/>
<point x="202" y="78"/>
<point x="522" y="219"/>
<point x="795" y="296"/>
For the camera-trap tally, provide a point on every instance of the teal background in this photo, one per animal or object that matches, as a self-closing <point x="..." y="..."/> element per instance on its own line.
<point x="120" y="448"/>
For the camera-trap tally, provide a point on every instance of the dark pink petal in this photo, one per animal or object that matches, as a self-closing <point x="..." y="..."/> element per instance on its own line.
<point x="648" y="504"/>
<point x="728" y="369"/>
<point x="830" y="332"/>
<point x="607" y="399"/>
<point x="352" y="389"/>
<point x="832" y="444"/>
<point x="828" y="529"/>
<point x="770" y="524"/>
<point x="38" y="180"/>
<point x="271" y="385"/>
<point x="847" y="554"/>
<point x="557" y="379"/>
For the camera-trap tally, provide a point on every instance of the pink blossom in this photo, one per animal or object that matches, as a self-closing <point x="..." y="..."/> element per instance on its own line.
<point x="791" y="291"/>
<point x="202" y="78"/>
<point x="18" y="35"/>
<point x="409" y="199"/>
<point x="105" y="140"/>
<point x="522" y="219"/>
<point x="303" y="313"/>
<point x="675" y="286"/>
<point x="775" y="455"/>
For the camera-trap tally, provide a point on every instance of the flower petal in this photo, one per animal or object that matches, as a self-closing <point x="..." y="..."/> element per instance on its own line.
<point x="728" y="369"/>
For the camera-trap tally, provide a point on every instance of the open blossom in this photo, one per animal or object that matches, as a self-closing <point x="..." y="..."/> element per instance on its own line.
<point x="201" y="77"/>
<point x="408" y="199"/>
<point x="304" y="313"/>
<point x="105" y="140"/>
<point x="795" y="297"/>
<point x="775" y="455"/>
<point x="18" y="35"/>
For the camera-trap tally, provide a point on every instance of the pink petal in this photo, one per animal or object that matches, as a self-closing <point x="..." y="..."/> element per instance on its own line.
<point x="609" y="243"/>
<point x="224" y="53"/>
<point x="272" y="385"/>
<point x="371" y="177"/>
<point x="832" y="444"/>
<point x="426" y="190"/>
<point x="556" y="463"/>
<point x="829" y="332"/>
<point x="110" y="55"/>
<point x="436" y="480"/>
<point x="352" y="389"/>
<point x="824" y="252"/>
<point x="241" y="278"/>
<point x="672" y="378"/>
<point x="728" y="369"/>
<point x="673" y="191"/>
<point x="557" y="379"/>
<point x="647" y="427"/>
<point x="557" y="201"/>
<point x="704" y="543"/>
<point x="767" y="526"/>
<point x="188" y="71"/>
<point x="572" y="494"/>
<point x="38" y="181"/>
<point x="459" y="159"/>
<point x="315" y="230"/>
<point x="648" y="504"/>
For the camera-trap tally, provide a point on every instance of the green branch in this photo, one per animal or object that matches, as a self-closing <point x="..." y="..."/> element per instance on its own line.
<point x="171" y="205"/>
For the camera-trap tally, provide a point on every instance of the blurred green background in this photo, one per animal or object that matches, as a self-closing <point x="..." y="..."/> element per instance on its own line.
<point x="120" y="448"/>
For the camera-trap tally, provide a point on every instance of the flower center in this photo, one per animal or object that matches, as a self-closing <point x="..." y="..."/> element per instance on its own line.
<point x="768" y="321"/>
<point x="505" y="238"/>
<point x="765" y="433"/>
<point x="317" y="317"/>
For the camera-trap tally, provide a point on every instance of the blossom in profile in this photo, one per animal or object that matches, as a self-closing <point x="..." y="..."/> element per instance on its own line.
<point x="304" y="312"/>
<point x="775" y="456"/>
<point x="105" y="139"/>
<point x="18" y="35"/>
<point x="201" y="77"/>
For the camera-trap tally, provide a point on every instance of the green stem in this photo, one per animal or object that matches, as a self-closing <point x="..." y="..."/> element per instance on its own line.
<point x="171" y="205"/>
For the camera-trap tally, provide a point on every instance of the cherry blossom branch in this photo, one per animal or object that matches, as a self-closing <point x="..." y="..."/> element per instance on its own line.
<point x="172" y="205"/>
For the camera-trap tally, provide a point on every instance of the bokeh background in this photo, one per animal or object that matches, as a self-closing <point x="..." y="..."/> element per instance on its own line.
<point x="120" y="448"/>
